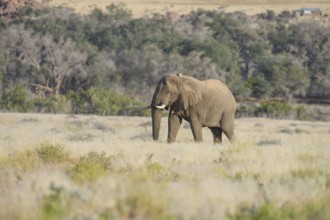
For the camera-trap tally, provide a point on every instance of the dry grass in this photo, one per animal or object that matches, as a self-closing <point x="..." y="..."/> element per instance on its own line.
<point x="47" y="170"/>
<point x="251" y="7"/>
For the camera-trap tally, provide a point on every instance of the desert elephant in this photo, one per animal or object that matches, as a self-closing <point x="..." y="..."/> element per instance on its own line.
<point x="206" y="103"/>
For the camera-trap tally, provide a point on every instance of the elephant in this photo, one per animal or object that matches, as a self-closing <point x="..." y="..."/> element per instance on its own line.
<point x="207" y="103"/>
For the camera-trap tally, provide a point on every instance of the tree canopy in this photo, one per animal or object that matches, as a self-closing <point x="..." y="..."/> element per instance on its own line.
<point x="47" y="53"/>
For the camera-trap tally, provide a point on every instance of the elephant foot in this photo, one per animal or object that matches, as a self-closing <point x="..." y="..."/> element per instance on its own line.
<point x="217" y="141"/>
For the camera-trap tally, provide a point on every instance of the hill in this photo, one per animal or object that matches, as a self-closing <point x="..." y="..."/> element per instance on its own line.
<point x="11" y="8"/>
<point x="249" y="7"/>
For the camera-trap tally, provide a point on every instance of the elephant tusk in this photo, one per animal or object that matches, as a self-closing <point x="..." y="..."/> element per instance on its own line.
<point x="161" y="106"/>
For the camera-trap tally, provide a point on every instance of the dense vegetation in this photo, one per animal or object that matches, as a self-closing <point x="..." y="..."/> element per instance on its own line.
<point x="55" y="60"/>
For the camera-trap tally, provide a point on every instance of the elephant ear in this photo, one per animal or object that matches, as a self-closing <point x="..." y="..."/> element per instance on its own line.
<point x="190" y="92"/>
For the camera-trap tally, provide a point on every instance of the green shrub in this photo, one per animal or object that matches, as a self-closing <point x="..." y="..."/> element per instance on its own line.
<point x="76" y="126"/>
<point x="98" y="101"/>
<point x="318" y="209"/>
<point x="301" y="112"/>
<point x="157" y="169"/>
<point x="104" y="128"/>
<point x="301" y="131"/>
<point x="52" y="104"/>
<point x="21" y="162"/>
<point x="265" y="211"/>
<point x="245" y="110"/>
<point x="90" y="167"/>
<point x="81" y="137"/>
<point x="16" y="99"/>
<point x="52" y="153"/>
<point x="266" y="142"/>
<point x="273" y="109"/>
<point x="285" y="131"/>
<point x="243" y="174"/>
<point x="141" y="198"/>
<point x="307" y="173"/>
<point x="57" y="205"/>
<point x="19" y="99"/>
<point x="29" y="120"/>
<point x="242" y="111"/>
<point x="101" y="101"/>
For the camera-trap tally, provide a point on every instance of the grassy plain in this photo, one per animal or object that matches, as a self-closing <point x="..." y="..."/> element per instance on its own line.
<point x="93" y="167"/>
<point x="250" y="7"/>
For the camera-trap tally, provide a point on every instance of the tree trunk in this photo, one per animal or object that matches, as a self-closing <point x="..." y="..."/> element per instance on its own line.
<point x="58" y="85"/>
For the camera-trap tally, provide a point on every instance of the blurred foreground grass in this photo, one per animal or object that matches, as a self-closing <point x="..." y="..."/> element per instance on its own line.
<point x="91" y="167"/>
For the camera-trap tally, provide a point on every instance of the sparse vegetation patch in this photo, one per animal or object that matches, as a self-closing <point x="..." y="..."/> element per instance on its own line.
<point x="277" y="169"/>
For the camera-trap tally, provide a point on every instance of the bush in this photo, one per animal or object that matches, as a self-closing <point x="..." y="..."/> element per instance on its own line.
<point x="52" y="153"/>
<point x="301" y="113"/>
<point x="265" y="211"/>
<point x="142" y="199"/>
<point x="21" y="162"/>
<point x="90" y="167"/>
<point x="57" y="205"/>
<point x="16" y="99"/>
<point x="312" y="209"/>
<point x="103" y="102"/>
<point x="98" y="101"/>
<point x="273" y="109"/>
<point x="245" y="110"/>
<point x="52" y="104"/>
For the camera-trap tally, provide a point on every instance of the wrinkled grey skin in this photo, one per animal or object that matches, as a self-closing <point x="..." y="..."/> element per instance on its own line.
<point x="206" y="103"/>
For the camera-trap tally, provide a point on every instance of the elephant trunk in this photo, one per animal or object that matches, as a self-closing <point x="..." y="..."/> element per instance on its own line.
<point x="156" y="115"/>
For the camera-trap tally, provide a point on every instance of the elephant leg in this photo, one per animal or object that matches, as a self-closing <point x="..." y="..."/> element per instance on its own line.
<point x="196" y="128"/>
<point x="227" y="125"/>
<point x="217" y="135"/>
<point x="174" y="123"/>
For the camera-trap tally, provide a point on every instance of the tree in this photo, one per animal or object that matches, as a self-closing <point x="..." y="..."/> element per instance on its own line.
<point x="281" y="39"/>
<point x="312" y="42"/>
<point x="50" y="66"/>
<point x="286" y="76"/>
<point x="259" y="86"/>
<point x="201" y="67"/>
<point x="195" y="25"/>
<point x="140" y="69"/>
<point x="320" y="73"/>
